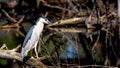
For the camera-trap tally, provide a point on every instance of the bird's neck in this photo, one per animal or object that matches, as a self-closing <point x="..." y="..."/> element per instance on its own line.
<point x="39" y="24"/>
<point x="39" y="27"/>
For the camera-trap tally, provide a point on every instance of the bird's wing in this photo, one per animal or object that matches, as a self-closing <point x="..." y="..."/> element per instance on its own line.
<point x="28" y="36"/>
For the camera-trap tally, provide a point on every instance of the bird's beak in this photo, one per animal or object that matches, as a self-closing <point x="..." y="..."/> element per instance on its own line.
<point x="49" y="22"/>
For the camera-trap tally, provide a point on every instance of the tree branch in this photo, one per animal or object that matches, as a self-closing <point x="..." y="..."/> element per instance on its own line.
<point x="12" y="55"/>
<point x="68" y="21"/>
<point x="9" y="17"/>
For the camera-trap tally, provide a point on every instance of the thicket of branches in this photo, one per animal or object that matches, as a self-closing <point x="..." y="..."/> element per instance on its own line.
<point x="94" y="22"/>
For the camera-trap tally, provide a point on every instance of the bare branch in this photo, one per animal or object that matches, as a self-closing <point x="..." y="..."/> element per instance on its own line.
<point x="20" y="33"/>
<point x="9" y="17"/>
<point x="11" y="55"/>
<point x="17" y="48"/>
<point x="56" y="7"/>
<point x="8" y="27"/>
<point x="72" y="30"/>
<point x="68" y="21"/>
<point x="4" y="47"/>
<point x="21" y="19"/>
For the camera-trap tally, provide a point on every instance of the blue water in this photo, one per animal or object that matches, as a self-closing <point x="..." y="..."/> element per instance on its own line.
<point x="70" y="52"/>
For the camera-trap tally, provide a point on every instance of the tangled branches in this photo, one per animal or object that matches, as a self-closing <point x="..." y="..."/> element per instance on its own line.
<point x="95" y="21"/>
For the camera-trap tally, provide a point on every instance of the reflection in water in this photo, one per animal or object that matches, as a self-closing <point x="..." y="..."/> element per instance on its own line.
<point x="70" y="52"/>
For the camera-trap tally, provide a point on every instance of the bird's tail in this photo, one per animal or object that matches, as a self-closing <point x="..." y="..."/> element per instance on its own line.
<point x="23" y="53"/>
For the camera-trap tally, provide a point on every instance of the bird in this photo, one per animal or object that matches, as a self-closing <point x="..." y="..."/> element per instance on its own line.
<point x="33" y="36"/>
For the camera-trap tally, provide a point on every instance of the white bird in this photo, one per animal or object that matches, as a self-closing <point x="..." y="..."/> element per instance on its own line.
<point x="33" y="36"/>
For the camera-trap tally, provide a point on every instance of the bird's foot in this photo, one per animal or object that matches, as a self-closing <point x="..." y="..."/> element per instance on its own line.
<point x="37" y="57"/>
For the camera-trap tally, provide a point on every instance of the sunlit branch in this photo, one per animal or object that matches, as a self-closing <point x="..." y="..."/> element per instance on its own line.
<point x="12" y="55"/>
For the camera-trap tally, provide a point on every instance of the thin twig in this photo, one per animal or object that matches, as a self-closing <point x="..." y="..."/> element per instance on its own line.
<point x="72" y="6"/>
<point x="21" y="33"/>
<point x="17" y="48"/>
<point x="9" y="17"/>
<point x="97" y="40"/>
<point x="8" y="27"/>
<point x="21" y="19"/>
<point x="4" y="47"/>
<point x="56" y="7"/>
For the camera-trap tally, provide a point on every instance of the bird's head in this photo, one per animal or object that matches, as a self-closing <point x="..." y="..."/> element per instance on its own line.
<point x="43" y="20"/>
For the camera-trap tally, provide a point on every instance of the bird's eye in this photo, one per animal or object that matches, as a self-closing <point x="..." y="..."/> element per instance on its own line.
<point x="46" y="20"/>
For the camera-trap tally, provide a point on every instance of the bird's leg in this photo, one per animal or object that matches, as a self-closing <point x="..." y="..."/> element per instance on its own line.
<point x="36" y="53"/>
